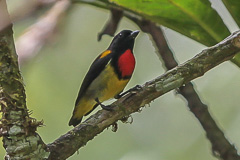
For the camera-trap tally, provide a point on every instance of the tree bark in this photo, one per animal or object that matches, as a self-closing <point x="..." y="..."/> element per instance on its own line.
<point x="17" y="129"/>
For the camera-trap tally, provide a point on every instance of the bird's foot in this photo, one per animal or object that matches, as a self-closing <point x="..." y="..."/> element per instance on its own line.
<point x="136" y="88"/>
<point x="105" y="107"/>
<point x="132" y="90"/>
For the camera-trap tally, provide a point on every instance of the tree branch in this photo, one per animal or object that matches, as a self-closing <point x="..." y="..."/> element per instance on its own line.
<point x="37" y="35"/>
<point x="16" y="127"/>
<point x="112" y="24"/>
<point x="28" y="8"/>
<point x="221" y="147"/>
<point x="69" y="143"/>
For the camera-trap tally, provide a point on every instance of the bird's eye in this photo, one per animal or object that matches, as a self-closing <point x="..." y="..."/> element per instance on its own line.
<point x="120" y="35"/>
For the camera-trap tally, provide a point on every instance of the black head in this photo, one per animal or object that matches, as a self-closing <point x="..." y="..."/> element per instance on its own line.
<point x="123" y="41"/>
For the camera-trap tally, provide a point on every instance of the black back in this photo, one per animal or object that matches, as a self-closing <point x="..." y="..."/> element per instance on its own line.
<point x="96" y="68"/>
<point x="120" y="43"/>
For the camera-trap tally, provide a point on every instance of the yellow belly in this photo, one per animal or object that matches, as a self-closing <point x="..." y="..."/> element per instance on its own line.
<point x="113" y="86"/>
<point x="104" y="87"/>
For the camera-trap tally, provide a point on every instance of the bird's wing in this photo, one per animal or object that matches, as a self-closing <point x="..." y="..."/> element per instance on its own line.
<point x="96" y="68"/>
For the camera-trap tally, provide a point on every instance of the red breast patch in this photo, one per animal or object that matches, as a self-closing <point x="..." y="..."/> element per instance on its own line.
<point x="126" y="63"/>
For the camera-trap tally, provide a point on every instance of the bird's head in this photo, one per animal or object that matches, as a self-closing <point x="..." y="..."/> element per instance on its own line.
<point x="123" y="41"/>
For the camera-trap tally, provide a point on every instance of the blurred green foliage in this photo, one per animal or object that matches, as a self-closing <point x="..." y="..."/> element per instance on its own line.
<point x="165" y="131"/>
<point x="233" y="8"/>
<point x="195" y="19"/>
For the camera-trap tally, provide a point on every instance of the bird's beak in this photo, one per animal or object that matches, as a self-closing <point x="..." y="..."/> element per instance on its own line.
<point x="134" y="34"/>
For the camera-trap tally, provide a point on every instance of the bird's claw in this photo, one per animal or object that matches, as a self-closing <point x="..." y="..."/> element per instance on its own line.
<point x="132" y="90"/>
<point x="136" y="88"/>
<point x="118" y="96"/>
<point x="108" y="107"/>
<point x="105" y="107"/>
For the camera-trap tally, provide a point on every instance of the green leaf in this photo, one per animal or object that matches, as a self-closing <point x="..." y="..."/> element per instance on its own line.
<point x="233" y="7"/>
<point x="195" y="19"/>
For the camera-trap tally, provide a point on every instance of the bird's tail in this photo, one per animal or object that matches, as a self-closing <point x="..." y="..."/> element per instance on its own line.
<point x="74" y="121"/>
<point x="83" y="108"/>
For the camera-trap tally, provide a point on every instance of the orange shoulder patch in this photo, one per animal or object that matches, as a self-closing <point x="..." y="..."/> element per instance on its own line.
<point x="105" y="53"/>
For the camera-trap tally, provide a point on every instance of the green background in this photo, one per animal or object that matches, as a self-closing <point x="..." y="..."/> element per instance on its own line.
<point x="166" y="130"/>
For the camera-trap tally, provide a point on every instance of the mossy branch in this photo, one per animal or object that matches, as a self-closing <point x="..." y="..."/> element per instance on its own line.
<point x="69" y="143"/>
<point x="16" y="127"/>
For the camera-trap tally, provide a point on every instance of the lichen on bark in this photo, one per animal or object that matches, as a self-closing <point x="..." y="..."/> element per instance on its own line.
<point x="16" y="126"/>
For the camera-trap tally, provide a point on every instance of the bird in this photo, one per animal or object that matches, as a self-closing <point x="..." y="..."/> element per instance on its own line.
<point x="107" y="76"/>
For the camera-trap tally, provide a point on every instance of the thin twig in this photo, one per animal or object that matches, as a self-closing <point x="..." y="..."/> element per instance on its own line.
<point x="69" y="143"/>
<point x="112" y="24"/>
<point x="28" y="8"/>
<point x="23" y="11"/>
<point x="38" y="34"/>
